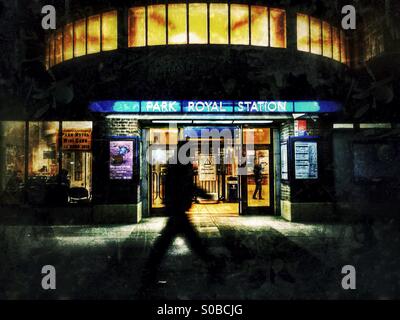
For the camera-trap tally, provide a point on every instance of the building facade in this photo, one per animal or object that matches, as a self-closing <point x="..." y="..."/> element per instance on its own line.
<point x="272" y="83"/>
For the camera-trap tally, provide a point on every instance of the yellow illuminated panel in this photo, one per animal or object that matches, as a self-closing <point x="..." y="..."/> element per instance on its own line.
<point x="239" y="24"/>
<point x="259" y="26"/>
<point x="218" y="23"/>
<point x="326" y="40"/>
<point x="93" y="34"/>
<point x="177" y="27"/>
<point x="198" y="23"/>
<point x="137" y="27"/>
<point x="343" y="51"/>
<point x="156" y="25"/>
<point x="278" y="28"/>
<point x="80" y="38"/>
<point x="68" y="37"/>
<point x="336" y="44"/>
<point x="316" y="41"/>
<point x="303" y="32"/>
<point x="109" y="31"/>
<point x="59" y="57"/>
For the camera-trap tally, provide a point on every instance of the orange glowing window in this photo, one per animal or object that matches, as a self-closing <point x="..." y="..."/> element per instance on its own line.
<point x="218" y="23"/>
<point x="137" y="27"/>
<point x="109" y="31"/>
<point x="316" y="37"/>
<point x="278" y="28"/>
<point x="326" y="40"/>
<point x="80" y="38"/>
<point x="343" y="50"/>
<point x="198" y="23"/>
<point x="303" y="32"/>
<point x="156" y="25"/>
<point x="348" y="53"/>
<point x="239" y="24"/>
<point x="68" y="37"/>
<point x="177" y="26"/>
<point x="93" y="34"/>
<point x="336" y="44"/>
<point x="259" y="26"/>
<point x="59" y="47"/>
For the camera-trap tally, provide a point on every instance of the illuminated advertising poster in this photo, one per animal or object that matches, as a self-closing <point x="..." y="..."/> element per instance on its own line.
<point x="121" y="160"/>
<point x="284" y="162"/>
<point x="306" y="160"/>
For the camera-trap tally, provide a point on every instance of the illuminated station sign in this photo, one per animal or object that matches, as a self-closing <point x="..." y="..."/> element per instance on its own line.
<point x="215" y="107"/>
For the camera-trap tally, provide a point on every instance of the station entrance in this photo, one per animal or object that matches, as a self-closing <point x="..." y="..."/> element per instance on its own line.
<point x="232" y="164"/>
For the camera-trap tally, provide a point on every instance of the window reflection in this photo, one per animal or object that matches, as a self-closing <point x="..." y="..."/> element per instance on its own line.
<point x="343" y="51"/>
<point x="239" y="24"/>
<point x="278" y="28"/>
<point x="218" y="23"/>
<point x="198" y="23"/>
<point x="80" y="38"/>
<point x="327" y="39"/>
<point x="177" y="27"/>
<point x="336" y="44"/>
<point x="156" y="22"/>
<point x="109" y="31"/>
<point x="303" y="33"/>
<point x="137" y="27"/>
<point x="68" y="35"/>
<point x="93" y="37"/>
<point x="315" y="27"/>
<point x="58" y="44"/>
<point x="259" y="26"/>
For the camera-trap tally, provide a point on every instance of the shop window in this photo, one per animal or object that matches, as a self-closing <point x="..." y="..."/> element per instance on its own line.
<point x="80" y="38"/>
<point x="336" y="44"/>
<point x="137" y="27"/>
<point x="77" y="157"/>
<point x="156" y="25"/>
<point x="51" y="48"/>
<point x="239" y="24"/>
<point x="198" y="23"/>
<point x="278" y="28"/>
<point x="316" y="43"/>
<point x="109" y="31"/>
<point x="343" y="51"/>
<point x="177" y="26"/>
<point x="326" y="40"/>
<point x="93" y="37"/>
<point x="12" y="163"/>
<point x="218" y="23"/>
<point x="68" y="36"/>
<point x="303" y="32"/>
<point x="259" y="26"/>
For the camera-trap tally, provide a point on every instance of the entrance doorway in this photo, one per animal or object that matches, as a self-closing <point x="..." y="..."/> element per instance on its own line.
<point x="218" y="169"/>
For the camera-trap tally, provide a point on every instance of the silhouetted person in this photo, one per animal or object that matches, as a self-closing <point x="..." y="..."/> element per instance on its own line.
<point x="258" y="179"/>
<point x="179" y="193"/>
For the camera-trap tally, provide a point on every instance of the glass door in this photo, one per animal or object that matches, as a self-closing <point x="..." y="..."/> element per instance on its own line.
<point x="257" y="184"/>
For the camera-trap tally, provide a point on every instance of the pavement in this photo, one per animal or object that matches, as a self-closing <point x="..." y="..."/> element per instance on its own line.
<point x="266" y="258"/>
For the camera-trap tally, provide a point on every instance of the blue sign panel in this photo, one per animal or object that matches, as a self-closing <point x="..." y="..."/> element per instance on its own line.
<point x="207" y="106"/>
<point x="263" y="106"/>
<point x="316" y="106"/>
<point x="160" y="106"/>
<point x="215" y="106"/>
